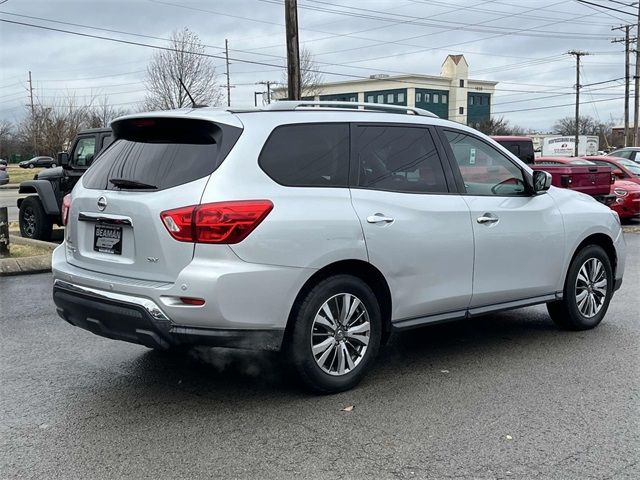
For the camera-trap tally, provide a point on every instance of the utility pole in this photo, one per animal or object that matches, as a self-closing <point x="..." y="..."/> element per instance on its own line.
<point x="627" y="77"/>
<point x="226" y="54"/>
<point x="577" y="54"/>
<point x="34" y="125"/>
<point x="268" y="83"/>
<point x="293" y="50"/>
<point x="636" y="98"/>
<point x="31" y="95"/>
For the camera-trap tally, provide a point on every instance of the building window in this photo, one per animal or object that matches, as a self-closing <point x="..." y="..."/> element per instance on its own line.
<point x="401" y="97"/>
<point x="461" y="110"/>
<point x="435" y="98"/>
<point x="353" y="99"/>
<point x="418" y="97"/>
<point x="371" y="99"/>
<point x="380" y="98"/>
<point x="444" y="98"/>
<point x="461" y="83"/>
<point x="389" y="97"/>
<point x="427" y="98"/>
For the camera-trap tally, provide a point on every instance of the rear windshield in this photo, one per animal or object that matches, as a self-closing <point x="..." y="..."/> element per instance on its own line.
<point x="155" y="154"/>
<point x="522" y="150"/>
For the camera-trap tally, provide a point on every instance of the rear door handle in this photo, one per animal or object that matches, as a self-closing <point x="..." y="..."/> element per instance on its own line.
<point x="487" y="218"/>
<point x="379" y="218"/>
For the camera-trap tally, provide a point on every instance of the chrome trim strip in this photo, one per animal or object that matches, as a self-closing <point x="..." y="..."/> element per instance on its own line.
<point x="150" y="306"/>
<point x="105" y="218"/>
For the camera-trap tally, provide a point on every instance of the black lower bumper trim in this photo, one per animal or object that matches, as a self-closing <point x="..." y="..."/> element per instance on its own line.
<point x="132" y="323"/>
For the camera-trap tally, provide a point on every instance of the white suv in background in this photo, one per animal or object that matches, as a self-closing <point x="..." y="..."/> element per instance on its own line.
<point x="319" y="230"/>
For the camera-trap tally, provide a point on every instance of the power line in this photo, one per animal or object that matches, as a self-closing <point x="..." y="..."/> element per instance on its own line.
<point x="585" y="2"/>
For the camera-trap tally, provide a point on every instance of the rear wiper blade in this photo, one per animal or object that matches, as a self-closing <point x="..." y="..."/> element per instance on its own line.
<point x="124" y="183"/>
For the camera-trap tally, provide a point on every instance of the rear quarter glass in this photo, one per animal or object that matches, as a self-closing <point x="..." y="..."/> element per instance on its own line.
<point x="161" y="152"/>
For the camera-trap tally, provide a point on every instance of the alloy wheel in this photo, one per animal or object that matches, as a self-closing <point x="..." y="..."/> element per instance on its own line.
<point x="591" y="287"/>
<point x="340" y="334"/>
<point x="29" y="218"/>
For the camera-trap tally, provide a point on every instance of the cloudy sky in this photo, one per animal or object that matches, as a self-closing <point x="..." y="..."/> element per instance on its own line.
<point x="521" y="44"/>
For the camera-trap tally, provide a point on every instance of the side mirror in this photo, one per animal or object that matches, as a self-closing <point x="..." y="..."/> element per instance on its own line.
<point x="541" y="181"/>
<point x="618" y="173"/>
<point x="63" y="159"/>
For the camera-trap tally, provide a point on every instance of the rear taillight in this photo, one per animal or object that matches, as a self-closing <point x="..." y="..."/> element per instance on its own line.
<point x="66" y="206"/>
<point x="222" y="222"/>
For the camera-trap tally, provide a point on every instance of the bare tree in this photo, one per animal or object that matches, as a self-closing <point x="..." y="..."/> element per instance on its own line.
<point x="103" y="113"/>
<point x="6" y="138"/>
<point x="311" y="78"/>
<point x="183" y="60"/>
<point x="499" y="126"/>
<point x="50" y="127"/>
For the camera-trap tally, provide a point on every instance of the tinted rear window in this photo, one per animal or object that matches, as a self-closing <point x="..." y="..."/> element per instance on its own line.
<point x="522" y="150"/>
<point x="308" y="155"/>
<point x="163" y="153"/>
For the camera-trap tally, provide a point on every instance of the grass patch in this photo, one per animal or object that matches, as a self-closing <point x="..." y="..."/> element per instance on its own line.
<point x="19" y="175"/>
<point x="19" y="251"/>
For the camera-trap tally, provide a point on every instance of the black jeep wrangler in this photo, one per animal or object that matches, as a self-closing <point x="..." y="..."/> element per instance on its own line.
<point x="38" y="212"/>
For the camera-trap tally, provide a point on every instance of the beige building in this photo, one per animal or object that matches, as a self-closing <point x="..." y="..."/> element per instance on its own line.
<point x="451" y="95"/>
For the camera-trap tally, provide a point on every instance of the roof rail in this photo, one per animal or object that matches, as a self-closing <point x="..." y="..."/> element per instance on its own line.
<point x="289" y="105"/>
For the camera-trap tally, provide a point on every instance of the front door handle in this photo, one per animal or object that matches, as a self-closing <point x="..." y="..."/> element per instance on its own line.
<point x="487" y="218"/>
<point x="379" y="218"/>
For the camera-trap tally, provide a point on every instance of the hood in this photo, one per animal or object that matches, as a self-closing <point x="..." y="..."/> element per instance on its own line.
<point x="627" y="185"/>
<point x="50" y="173"/>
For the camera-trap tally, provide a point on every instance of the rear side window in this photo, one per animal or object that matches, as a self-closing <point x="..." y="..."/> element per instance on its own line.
<point x="398" y="159"/>
<point x="307" y="155"/>
<point x="155" y="154"/>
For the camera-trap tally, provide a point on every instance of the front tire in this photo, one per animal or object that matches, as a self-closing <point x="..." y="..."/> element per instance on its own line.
<point x="335" y="334"/>
<point x="587" y="291"/>
<point x="34" y="222"/>
<point x="31" y="165"/>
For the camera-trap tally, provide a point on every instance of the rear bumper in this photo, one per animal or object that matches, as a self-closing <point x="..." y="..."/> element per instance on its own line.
<point x="140" y="320"/>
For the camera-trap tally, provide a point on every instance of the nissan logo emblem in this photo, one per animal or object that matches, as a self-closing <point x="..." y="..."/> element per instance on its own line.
<point x="102" y="203"/>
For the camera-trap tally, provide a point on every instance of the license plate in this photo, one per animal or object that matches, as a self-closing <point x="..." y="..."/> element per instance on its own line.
<point x="107" y="239"/>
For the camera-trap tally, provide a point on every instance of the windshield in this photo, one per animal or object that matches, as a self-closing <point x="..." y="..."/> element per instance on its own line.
<point x="632" y="166"/>
<point x="582" y="162"/>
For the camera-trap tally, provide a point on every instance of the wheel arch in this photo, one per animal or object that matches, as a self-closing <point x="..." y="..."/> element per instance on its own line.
<point x="360" y="269"/>
<point x="602" y="240"/>
<point x="45" y="193"/>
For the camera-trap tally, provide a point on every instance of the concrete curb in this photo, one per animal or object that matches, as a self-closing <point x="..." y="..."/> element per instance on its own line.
<point x="27" y="265"/>
<point x="10" y="186"/>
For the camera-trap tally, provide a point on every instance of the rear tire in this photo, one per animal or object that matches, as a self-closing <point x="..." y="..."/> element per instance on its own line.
<point x="335" y="334"/>
<point x="587" y="291"/>
<point x="34" y="222"/>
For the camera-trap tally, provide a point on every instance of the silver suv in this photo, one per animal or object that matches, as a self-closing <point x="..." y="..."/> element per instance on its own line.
<point x="320" y="230"/>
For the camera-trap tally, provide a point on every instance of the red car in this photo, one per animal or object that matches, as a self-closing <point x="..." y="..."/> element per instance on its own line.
<point x="623" y="168"/>
<point x="626" y="187"/>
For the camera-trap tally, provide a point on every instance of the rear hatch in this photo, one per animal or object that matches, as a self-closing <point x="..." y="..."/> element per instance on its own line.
<point x="590" y="179"/>
<point x="153" y="165"/>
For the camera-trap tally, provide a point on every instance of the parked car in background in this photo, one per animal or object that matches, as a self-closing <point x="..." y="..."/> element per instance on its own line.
<point x="630" y="153"/>
<point x="4" y="175"/>
<point x="319" y="231"/>
<point x="625" y="190"/>
<point x="520" y="146"/>
<point x="622" y="168"/>
<point x="39" y="162"/>
<point x="578" y="174"/>
<point x="3" y="162"/>
<point x="44" y="205"/>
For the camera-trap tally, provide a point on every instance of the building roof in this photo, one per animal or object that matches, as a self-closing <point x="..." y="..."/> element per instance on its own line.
<point x="456" y="58"/>
<point x="405" y="80"/>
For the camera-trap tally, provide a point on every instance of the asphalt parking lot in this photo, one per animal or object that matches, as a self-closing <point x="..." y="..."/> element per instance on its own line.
<point x="503" y="396"/>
